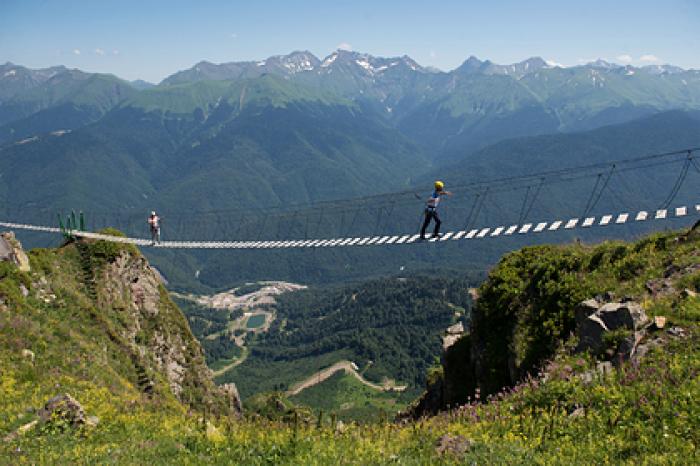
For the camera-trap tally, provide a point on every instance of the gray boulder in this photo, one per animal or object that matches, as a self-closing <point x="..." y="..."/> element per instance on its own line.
<point x="594" y="319"/>
<point x="629" y="315"/>
<point x="65" y="408"/>
<point x="590" y="334"/>
<point x="585" y="309"/>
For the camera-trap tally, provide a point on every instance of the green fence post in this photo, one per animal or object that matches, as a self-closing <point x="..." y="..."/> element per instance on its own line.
<point x="82" y="221"/>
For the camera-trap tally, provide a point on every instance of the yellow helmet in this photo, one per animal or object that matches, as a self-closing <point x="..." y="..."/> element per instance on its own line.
<point x="439" y="185"/>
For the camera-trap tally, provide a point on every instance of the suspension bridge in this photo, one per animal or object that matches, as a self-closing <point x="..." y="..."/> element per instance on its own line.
<point x="385" y="240"/>
<point x="348" y="211"/>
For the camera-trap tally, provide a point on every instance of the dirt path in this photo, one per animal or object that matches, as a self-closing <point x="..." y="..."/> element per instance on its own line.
<point x="235" y="363"/>
<point x="349" y="368"/>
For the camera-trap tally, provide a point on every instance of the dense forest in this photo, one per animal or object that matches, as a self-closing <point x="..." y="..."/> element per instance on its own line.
<point x="206" y="321"/>
<point x="389" y="327"/>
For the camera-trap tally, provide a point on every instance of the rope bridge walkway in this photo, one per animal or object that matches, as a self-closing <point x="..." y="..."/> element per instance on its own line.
<point x="390" y="240"/>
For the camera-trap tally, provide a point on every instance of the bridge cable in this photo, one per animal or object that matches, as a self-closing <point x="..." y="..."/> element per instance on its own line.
<point x="678" y="184"/>
<point x="602" y="189"/>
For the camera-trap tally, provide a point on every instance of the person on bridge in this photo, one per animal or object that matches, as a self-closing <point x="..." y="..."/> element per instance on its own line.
<point x="431" y="209"/>
<point x="154" y="225"/>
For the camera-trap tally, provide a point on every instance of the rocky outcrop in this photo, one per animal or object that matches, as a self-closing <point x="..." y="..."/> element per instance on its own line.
<point x="453" y="333"/>
<point x="65" y="409"/>
<point x="62" y="412"/>
<point x="11" y="250"/>
<point x="157" y="334"/>
<point x="664" y="286"/>
<point x="448" y="387"/>
<point x="619" y="331"/>
<point x="595" y="320"/>
<point x="230" y="392"/>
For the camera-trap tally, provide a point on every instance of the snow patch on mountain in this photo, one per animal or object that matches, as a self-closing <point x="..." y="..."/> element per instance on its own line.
<point x="365" y="64"/>
<point x="296" y="67"/>
<point x="329" y="60"/>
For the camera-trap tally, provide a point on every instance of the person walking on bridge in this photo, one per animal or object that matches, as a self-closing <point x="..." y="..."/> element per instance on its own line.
<point x="431" y="209"/>
<point x="154" y="225"/>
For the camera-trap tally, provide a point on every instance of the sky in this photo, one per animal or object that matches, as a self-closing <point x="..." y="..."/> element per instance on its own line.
<point x="151" y="39"/>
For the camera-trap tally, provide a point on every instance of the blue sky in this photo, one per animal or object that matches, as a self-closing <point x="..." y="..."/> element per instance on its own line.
<point x="151" y="39"/>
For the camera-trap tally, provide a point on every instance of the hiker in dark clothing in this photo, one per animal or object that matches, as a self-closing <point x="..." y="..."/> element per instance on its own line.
<point x="431" y="209"/>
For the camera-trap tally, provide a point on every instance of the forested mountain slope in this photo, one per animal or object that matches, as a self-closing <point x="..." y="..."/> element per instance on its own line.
<point x="390" y="328"/>
<point x="476" y="203"/>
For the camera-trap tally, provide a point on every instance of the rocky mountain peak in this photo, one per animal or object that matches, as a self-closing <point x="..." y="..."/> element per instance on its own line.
<point x="600" y="63"/>
<point x="292" y="63"/>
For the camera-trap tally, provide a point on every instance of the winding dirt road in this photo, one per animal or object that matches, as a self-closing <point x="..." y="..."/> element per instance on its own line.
<point x="349" y="368"/>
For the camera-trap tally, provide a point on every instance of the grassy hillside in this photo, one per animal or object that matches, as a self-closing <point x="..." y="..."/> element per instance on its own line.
<point x="349" y="399"/>
<point x="91" y="319"/>
<point x="526" y="311"/>
<point x="643" y="413"/>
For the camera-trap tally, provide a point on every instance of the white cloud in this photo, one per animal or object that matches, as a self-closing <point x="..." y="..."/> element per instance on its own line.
<point x="76" y="51"/>
<point x="433" y="54"/>
<point x="99" y="51"/>
<point x="555" y="64"/>
<point x="344" y="46"/>
<point x="234" y="35"/>
<point x="115" y="52"/>
<point x="649" y="58"/>
<point x="624" y="58"/>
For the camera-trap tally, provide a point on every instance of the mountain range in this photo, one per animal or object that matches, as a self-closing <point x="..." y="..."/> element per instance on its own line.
<point x="477" y="103"/>
<point x="230" y="141"/>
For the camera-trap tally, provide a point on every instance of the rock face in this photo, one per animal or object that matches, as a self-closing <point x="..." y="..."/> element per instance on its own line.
<point x="452" y="386"/>
<point x="230" y="391"/>
<point x="596" y="321"/>
<point x="11" y="250"/>
<point x="157" y="334"/>
<point x="452" y="334"/>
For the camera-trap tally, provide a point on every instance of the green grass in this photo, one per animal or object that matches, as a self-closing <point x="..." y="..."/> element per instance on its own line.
<point x="349" y="399"/>
<point x="646" y="413"/>
<point x="258" y="376"/>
